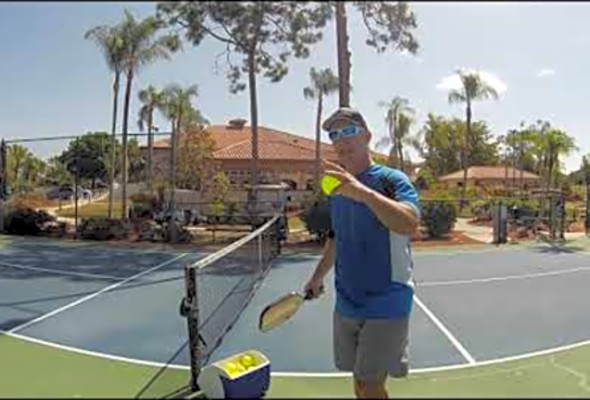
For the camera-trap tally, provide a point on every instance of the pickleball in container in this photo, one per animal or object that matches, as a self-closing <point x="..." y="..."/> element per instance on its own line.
<point x="242" y="375"/>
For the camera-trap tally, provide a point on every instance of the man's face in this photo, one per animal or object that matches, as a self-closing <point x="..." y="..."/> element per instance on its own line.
<point x="351" y="150"/>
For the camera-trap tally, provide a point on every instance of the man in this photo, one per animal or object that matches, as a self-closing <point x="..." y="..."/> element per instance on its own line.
<point x="374" y="212"/>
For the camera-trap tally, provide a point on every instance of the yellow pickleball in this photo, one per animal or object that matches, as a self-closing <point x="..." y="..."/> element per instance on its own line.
<point x="232" y="368"/>
<point x="247" y="361"/>
<point x="329" y="184"/>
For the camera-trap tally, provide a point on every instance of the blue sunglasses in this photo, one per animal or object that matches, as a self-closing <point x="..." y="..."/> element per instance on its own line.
<point x="348" y="131"/>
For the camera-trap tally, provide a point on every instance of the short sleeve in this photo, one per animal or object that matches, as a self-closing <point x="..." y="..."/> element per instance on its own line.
<point x="401" y="189"/>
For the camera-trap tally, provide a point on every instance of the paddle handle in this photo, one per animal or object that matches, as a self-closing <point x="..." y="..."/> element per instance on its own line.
<point x="309" y="294"/>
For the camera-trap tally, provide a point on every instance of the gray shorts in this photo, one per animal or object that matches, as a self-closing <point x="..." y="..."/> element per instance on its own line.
<point x="371" y="349"/>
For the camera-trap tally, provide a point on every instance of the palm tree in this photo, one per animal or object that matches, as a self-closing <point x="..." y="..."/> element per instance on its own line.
<point x="17" y="158"/>
<point x="110" y="41"/>
<point x="176" y="106"/>
<point x="399" y="117"/>
<point x="34" y="172"/>
<point x="558" y="143"/>
<point x="142" y="48"/>
<point x="152" y="100"/>
<point x="323" y="83"/>
<point x="473" y="88"/>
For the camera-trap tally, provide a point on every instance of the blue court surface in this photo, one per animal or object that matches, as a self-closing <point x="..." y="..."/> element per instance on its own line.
<point x="471" y="305"/>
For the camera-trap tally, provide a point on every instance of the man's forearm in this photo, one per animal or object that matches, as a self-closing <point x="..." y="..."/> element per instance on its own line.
<point x="327" y="261"/>
<point x="396" y="216"/>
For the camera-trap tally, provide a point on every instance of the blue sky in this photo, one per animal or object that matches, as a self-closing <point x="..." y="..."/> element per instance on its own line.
<point x="54" y="82"/>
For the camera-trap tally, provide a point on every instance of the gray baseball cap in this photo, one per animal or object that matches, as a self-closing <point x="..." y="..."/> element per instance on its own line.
<point x="345" y="114"/>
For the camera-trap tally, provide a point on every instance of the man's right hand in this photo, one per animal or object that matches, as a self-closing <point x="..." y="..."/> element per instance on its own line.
<point x="315" y="287"/>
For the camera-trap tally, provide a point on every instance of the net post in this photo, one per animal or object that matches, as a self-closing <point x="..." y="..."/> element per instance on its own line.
<point x="192" y="307"/>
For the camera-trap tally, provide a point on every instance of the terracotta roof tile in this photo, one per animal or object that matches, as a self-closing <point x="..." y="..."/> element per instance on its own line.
<point x="235" y="143"/>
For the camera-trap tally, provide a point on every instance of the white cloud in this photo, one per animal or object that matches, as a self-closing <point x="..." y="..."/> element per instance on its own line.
<point x="545" y="72"/>
<point x="454" y="82"/>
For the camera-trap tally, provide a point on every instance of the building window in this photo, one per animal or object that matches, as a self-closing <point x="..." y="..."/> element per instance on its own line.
<point x="234" y="177"/>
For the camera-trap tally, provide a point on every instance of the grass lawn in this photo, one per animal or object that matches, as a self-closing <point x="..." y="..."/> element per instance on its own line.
<point x="98" y="209"/>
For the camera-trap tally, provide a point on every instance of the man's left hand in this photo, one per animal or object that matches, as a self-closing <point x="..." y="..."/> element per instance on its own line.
<point x="350" y="186"/>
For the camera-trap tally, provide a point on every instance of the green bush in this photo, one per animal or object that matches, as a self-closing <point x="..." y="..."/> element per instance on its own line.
<point x="438" y="217"/>
<point x="481" y="210"/>
<point x="316" y="217"/>
<point x="141" y="210"/>
<point x="143" y="205"/>
<point x="101" y="228"/>
<point x="26" y="221"/>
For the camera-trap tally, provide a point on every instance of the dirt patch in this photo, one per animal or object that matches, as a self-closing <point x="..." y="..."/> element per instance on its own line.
<point x="454" y="238"/>
<point x="486" y="223"/>
<point x="303" y="241"/>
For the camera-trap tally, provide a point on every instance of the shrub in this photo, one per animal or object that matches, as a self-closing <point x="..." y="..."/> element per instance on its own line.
<point x="438" y="217"/>
<point x="182" y="234"/>
<point x="141" y="210"/>
<point x="101" y="228"/>
<point x="143" y="205"/>
<point x="150" y="231"/>
<point x="481" y="210"/>
<point x="26" y="221"/>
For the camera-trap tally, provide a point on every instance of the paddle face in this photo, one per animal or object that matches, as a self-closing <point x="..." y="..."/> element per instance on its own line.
<point x="280" y="311"/>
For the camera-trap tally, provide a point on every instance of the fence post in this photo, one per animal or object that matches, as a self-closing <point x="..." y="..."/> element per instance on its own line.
<point x="587" y="216"/>
<point x="2" y="183"/>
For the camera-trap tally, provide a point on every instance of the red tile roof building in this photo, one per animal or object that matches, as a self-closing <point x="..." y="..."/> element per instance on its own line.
<point x="283" y="157"/>
<point x="492" y="176"/>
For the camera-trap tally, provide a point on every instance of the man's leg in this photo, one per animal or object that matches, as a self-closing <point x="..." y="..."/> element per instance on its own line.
<point x="370" y="390"/>
<point x="382" y="350"/>
<point x="345" y="339"/>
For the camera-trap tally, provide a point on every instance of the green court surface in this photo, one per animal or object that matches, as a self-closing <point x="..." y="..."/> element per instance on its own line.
<point x="35" y="370"/>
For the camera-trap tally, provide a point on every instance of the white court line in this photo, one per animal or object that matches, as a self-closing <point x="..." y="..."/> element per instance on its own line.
<point x="91" y="353"/>
<point x="502" y="278"/>
<point x="297" y="374"/>
<point x="60" y="272"/>
<point x="93" y="295"/>
<point x="446" y="332"/>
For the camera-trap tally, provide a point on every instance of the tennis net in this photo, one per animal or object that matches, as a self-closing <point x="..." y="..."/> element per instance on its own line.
<point x="217" y="290"/>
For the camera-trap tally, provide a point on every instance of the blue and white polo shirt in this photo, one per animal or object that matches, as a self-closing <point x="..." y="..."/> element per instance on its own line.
<point x="373" y="264"/>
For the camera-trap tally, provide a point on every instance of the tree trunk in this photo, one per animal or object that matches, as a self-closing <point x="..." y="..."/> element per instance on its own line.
<point x="587" y="217"/>
<point x="506" y="168"/>
<point x="113" y="142"/>
<point x="76" y="183"/>
<point x="466" y="154"/>
<point x="125" y="156"/>
<point x="150" y="157"/>
<point x="254" y="118"/>
<point x="343" y="55"/>
<point x="521" y="163"/>
<point x="318" y="131"/>
<point x="549" y="170"/>
<point x="173" y="157"/>
<point x="401" y="155"/>
<point x="513" y="185"/>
